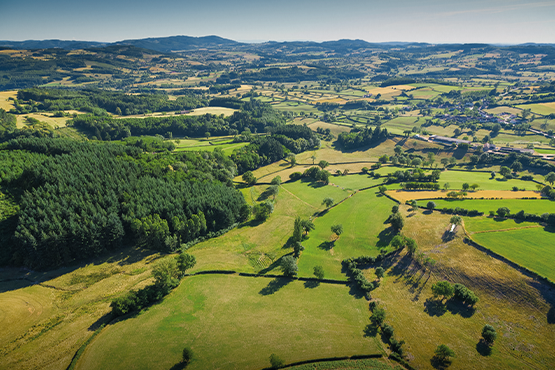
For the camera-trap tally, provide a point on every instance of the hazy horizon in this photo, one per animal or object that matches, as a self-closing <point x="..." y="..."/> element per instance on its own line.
<point x="431" y="21"/>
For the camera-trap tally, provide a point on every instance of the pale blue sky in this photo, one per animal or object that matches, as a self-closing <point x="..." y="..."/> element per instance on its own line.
<point x="434" y="21"/>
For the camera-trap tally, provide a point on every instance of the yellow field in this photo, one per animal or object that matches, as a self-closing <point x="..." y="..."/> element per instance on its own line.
<point x="212" y="110"/>
<point x="403" y="195"/>
<point x="4" y="103"/>
<point x="390" y="89"/>
<point x="43" y="117"/>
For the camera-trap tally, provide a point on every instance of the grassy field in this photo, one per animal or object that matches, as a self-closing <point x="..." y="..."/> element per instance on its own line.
<point x="4" y="102"/>
<point x="46" y="316"/>
<point x="364" y="233"/>
<point x="457" y="178"/>
<point x="513" y="303"/>
<point x="43" y="117"/>
<point x="538" y="206"/>
<point x="545" y="151"/>
<point x="479" y="224"/>
<point x="233" y="322"/>
<point x="541" y="108"/>
<point x="531" y="247"/>
<point x="404" y="195"/>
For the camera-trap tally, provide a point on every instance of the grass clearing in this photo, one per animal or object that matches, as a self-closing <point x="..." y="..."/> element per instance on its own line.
<point x="43" y="117"/>
<point x="541" y="108"/>
<point x="233" y="322"/>
<point x="212" y="110"/>
<point x="4" y="102"/>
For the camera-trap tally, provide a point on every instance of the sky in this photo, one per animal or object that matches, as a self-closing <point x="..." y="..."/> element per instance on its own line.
<point x="433" y="21"/>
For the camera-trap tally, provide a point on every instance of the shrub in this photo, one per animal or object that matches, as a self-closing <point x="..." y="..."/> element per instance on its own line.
<point x="489" y="334"/>
<point x="319" y="272"/>
<point x="378" y="316"/>
<point x="295" y="176"/>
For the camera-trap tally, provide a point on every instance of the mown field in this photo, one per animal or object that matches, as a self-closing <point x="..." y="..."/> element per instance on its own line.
<point x="233" y="322"/>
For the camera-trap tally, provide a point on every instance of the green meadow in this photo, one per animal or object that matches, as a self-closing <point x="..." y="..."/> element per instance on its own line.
<point x="536" y="206"/>
<point x="233" y="322"/>
<point x="532" y="248"/>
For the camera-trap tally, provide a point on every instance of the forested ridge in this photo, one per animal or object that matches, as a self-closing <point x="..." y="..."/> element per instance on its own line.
<point x="80" y="199"/>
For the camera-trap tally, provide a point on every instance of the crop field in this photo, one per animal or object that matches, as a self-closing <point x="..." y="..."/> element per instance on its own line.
<point x="536" y="206"/>
<point x="233" y="322"/>
<point x="531" y="247"/>
<point x="364" y="233"/>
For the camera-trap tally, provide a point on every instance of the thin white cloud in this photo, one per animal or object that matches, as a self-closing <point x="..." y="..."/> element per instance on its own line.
<point x="498" y="9"/>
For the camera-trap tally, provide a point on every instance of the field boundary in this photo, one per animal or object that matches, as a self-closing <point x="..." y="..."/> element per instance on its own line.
<point x="509" y="229"/>
<point x="329" y="359"/>
<point x="273" y="276"/>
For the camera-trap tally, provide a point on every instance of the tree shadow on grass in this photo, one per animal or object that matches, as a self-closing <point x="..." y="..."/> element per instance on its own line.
<point x="434" y="307"/>
<point x="459" y="308"/>
<point x="103" y="320"/>
<point x="384" y="237"/>
<point x="483" y="348"/>
<point x="439" y="363"/>
<point x="179" y="366"/>
<point x="356" y="292"/>
<point x="251" y="223"/>
<point x="311" y="284"/>
<point x="326" y="245"/>
<point x="370" y="331"/>
<point x="274" y="286"/>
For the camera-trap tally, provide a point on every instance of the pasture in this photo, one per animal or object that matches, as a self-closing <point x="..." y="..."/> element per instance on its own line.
<point x="363" y="218"/>
<point x="509" y="301"/>
<point x="4" y="102"/>
<point x="405" y="195"/>
<point x="480" y="224"/>
<point x="530" y="247"/>
<point x="233" y="322"/>
<point x="212" y="110"/>
<point x="456" y="179"/>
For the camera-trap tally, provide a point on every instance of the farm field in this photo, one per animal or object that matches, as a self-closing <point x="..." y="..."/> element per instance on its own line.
<point x="212" y="110"/>
<point x="233" y="322"/>
<point x="4" y="102"/>
<point x="479" y="224"/>
<point x="535" y="206"/>
<point x="531" y="248"/>
<point x="544" y="151"/>
<point x="456" y="179"/>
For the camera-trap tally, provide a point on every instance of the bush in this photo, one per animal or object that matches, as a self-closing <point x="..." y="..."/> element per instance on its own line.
<point x="489" y="334"/>
<point x="295" y="176"/>
<point x="431" y="205"/>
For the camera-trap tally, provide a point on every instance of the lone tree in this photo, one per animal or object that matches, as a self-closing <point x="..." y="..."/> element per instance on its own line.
<point x="431" y="205"/>
<point x="323" y="164"/>
<point x="289" y="266"/>
<point x="443" y="289"/>
<point x="328" y="202"/>
<point x="489" y="334"/>
<point x="382" y="189"/>
<point x="337" y="229"/>
<point x="379" y="272"/>
<point x="443" y="352"/>
<point x="273" y="190"/>
<point x="276" y="361"/>
<point x="297" y="230"/>
<point x="307" y="226"/>
<point x="249" y="178"/>
<point x="397" y="221"/>
<point x="319" y="272"/>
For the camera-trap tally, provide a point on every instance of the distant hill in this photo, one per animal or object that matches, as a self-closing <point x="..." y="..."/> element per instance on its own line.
<point x="50" y="44"/>
<point x="177" y="43"/>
